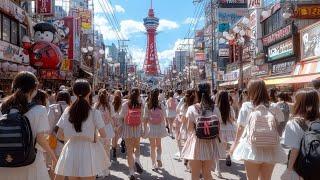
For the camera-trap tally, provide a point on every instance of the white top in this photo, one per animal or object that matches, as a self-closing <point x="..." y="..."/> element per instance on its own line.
<point x="171" y="113"/>
<point x="106" y="115"/>
<point x="193" y="113"/>
<point x="93" y="122"/>
<point x="54" y="113"/>
<point x="292" y="135"/>
<point x="247" y="108"/>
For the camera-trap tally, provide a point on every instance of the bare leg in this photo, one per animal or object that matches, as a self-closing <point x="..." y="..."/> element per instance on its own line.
<point x="266" y="171"/>
<point x="252" y="170"/>
<point x="195" y="169"/>
<point x="206" y="169"/>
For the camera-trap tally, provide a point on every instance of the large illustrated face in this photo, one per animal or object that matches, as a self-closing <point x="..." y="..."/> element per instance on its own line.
<point x="44" y="36"/>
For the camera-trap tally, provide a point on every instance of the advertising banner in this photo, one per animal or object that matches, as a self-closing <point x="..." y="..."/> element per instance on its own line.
<point x="229" y="16"/>
<point x="252" y="4"/>
<point x="283" y="68"/>
<point x="10" y="52"/>
<point x="260" y="70"/>
<point x="200" y="56"/>
<point x="310" y="42"/>
<point x="12" y="9"/>
<point x="307" y="11"/>
<point x="281" y="50"/>
<point x="224" y="52"/>
<point x="45" y="7"/>
<point x="232" y="3"/>
<point x="85" y="16"/>
<point x="278" y="35"/>
<point x="199" y="39"/>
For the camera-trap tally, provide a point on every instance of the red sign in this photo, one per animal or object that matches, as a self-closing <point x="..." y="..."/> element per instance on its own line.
<point x="307" y="11"/>
<point x="200" y="56"/>
<point x="54" y="74"/>
<point x="254" y="4"/>
<point x="278" y="35"/>
<point x="45" y="7"/>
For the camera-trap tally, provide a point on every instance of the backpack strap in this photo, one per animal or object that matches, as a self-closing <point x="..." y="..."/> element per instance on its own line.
<point x="301" y="123"/>
<point x="311" y="125"/>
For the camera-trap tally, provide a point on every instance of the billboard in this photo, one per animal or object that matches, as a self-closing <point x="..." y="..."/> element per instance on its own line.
<point x="229" y="16"/>
<point x="232" y="3"/>
<point x="310" y="42"/>
<point x="85" y="16"/>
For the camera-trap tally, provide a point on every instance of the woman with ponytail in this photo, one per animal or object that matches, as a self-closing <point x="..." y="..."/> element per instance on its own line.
<point x="82" y="156"/>
<point x="131" y="113"/>
<point x="201" y="152"/>
<point x="24" y="88"/>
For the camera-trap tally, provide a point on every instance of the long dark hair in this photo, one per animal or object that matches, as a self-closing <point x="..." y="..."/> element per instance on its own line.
<point x="117" y="101"/>
<point x="224" y="106"/>
<point x="153" y="100"/>
<point x="203" y="97"/>
<point x="40" y="98"/>
<point x="258" y="93"/>
<point x="23" y="84"/>
<point x="134" y="98"/>
<point x="79" y="110"/>
<point x="189" y="98"/>
<point x="103" y="100"/>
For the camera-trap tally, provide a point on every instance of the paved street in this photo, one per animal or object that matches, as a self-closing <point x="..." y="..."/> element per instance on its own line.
<point x="174" y="169"/>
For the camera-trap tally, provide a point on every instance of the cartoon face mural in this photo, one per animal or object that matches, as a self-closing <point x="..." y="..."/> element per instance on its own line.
<point x="43" y="53"/>
<point x="44" y="32"/>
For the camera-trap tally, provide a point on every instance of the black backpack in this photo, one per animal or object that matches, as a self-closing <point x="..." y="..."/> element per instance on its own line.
<point x="17" y="145"/>
<point x="308" y="161"/>
<point x="207" y="125"/>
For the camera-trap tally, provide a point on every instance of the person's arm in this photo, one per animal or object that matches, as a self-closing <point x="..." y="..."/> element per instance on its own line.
<point x="102" y="133"/>
<point x="42" y="141"/>
<point x="292" y="158"/>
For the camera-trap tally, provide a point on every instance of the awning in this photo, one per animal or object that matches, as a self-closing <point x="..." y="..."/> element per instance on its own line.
<point x="276" y="81"/>
<point x="302" y="79"/>
<point x="229" y="83"/>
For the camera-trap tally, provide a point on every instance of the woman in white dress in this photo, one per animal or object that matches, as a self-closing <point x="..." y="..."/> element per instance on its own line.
<point x="103" y="105"/>
<point x="131" y="128"/>
<point x="116" y="104"/>
<point x="201" y="152"/>
<point x="155" y="127"/>
<point x="82" y="156"/>
<point x="306" y="111"/>
<point x="259" y="162"/>
<point x="25" y="88"/>
<point x="227" y="127"/>
<point x="171" y="106"/>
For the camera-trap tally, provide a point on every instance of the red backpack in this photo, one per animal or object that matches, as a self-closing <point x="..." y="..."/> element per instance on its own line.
<point x="156" y="116"/>
<point x="133" y="117"/>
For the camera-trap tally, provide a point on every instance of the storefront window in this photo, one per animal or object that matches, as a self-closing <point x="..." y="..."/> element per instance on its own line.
<point x="14" y="32"/>
<point x="5" y="29"/>
<point x="23" y="32"/>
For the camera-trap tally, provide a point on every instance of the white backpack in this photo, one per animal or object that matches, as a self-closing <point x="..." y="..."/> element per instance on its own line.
<point x="262" y="128"/>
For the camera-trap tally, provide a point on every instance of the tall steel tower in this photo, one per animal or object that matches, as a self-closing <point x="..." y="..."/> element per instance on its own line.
<point x="151" y="63"/>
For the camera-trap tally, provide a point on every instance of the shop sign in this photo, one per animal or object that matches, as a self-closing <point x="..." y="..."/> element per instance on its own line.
<point x="232" y="3"/>
<point x="260" y="70"/>
<point x="55" y="74"/>
<point x="252" y="4"/>
<point x="224" y="52"/>
<point x="283" y="68"/>
<point x="200" y="56"/>
<point x="281" y="50"/>
<point x="45" y="7"/>
<point x="231" y="76"/>
<point x="85" y="16"/>
<point x="278" y="35"/>
<point x="199" y="39"/>
<point x="229" y="16"/>
<point x="10" y="52"/>
<point x="253" y="25"/>
<point x="12" y="9"/>
<point x="310" y="42"/>
<point x="307" y="11"/>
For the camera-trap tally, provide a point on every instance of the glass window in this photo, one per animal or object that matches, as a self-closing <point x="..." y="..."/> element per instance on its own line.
<point x="23" y="32"/>
<point x="5" y="29"/>
<point x="14" y="32"/>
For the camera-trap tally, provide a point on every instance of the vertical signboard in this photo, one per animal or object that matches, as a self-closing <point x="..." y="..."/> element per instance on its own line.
<point x="310" y="42"/>
<point x="45" y="7"/>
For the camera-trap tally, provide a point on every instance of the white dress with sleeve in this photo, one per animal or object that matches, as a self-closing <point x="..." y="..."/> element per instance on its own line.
<point x="201" y="149"/>
<point x="245" y="151"/>
<point x="228" y="130"/>
<point x="155" y="130"/>
<point x="38" y="119"/>
<point x="129" y="131"/>
<point x="81" y="156"/>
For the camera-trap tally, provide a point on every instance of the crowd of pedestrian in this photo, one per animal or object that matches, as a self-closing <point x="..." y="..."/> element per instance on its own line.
<point x="72" y="132"/>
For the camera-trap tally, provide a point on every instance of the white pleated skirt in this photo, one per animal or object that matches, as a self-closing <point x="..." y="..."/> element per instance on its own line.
<point x="82" y="159"/>
<point x="35" y="171"/>
<point x="156" y="130"/>
<point x="202" y="149"/>
<point x="131" y="131"/>
<point x="245" y="151"/>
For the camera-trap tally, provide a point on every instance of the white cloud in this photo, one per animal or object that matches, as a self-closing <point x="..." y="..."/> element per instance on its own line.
<point x="130" y="27"/>
<point x="165" y="24"/>
<point x="119" y="9"/>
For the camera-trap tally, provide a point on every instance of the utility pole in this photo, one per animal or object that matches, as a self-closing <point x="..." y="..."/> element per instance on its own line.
<point x="213" y="42"/>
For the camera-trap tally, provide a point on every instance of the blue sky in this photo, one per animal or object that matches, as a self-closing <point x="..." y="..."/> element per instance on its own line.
<point x="174" y="15"/>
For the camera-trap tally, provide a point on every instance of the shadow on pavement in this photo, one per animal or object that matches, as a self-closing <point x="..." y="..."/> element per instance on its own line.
<point x="145" y="149"/>
<point x="236" y="169"/>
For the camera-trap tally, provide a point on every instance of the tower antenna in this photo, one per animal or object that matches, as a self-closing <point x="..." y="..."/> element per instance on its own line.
<point x="151" y="4"/>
